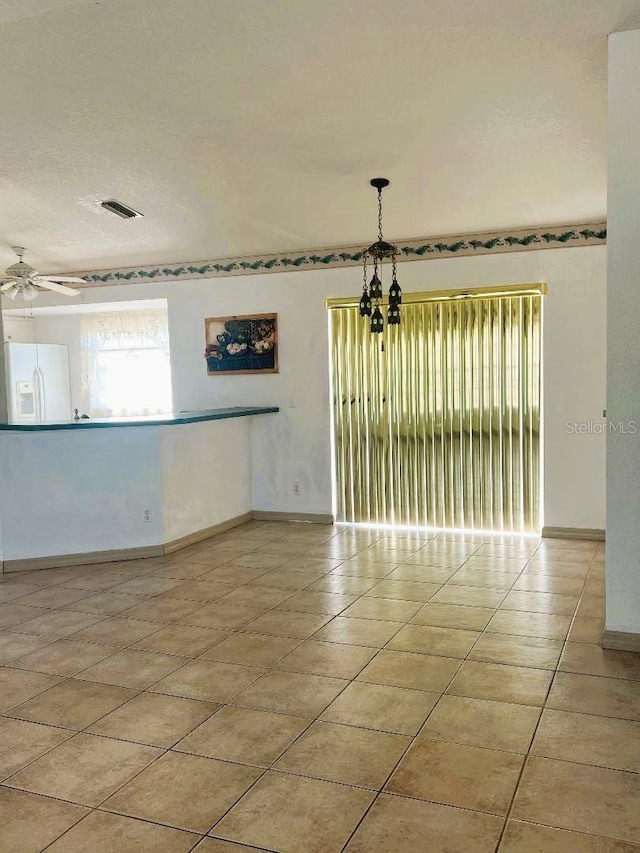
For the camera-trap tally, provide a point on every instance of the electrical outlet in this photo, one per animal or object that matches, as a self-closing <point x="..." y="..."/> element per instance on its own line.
<point x="297" y="487"/>
<point x="147" y="516"/>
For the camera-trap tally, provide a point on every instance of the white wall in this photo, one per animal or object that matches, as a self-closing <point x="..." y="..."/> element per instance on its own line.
<point x="295" y="444"/>
<point x="206" y="475"/>
<point x="79" y="491"/>
<point x="574" y="333"/>
<point x="18" y="330"/>
<point x="69" y="492"/>
<point x="623" y="306"/>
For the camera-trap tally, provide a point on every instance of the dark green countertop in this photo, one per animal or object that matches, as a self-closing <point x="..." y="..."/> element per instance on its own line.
<point x="171" y="419"/>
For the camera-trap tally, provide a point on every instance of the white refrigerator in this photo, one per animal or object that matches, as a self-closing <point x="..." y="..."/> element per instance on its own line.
<point x="37" y="382"/>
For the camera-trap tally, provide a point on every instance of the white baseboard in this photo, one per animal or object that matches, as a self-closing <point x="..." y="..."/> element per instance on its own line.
<point x="57" y="561"/>
<point x="312" y="517"/>
<point x="622" y="640"/>
<point x="573" y="533"/>
<point x="205" y="533"/>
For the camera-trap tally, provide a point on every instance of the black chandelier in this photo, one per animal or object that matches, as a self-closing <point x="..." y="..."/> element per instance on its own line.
<point x="372" y="292"/>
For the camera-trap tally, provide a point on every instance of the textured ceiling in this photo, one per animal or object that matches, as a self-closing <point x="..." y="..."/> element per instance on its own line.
<point x="243" y="126"/>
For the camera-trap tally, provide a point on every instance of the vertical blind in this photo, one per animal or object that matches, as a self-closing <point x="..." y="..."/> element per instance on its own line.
<point x="441" y="428"/>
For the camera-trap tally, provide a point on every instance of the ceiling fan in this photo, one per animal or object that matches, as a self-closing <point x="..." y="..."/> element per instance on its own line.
<point x="24" y="279"/>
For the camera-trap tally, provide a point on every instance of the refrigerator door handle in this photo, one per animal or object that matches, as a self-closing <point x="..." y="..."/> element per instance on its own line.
<point x="43" y="394"/>
<point x="36" y="394"/>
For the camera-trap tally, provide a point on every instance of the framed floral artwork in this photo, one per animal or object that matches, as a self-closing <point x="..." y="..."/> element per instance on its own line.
<point x="245" y="344"/>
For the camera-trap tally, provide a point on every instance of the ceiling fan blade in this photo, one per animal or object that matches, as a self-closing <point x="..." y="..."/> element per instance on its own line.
<point x="52" y="277"/>
<point x="7" y="285"/>
<point x="58" y="288"/>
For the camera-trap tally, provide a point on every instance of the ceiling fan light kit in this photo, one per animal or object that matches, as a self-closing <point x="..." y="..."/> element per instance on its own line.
<point x="28" y="292"/>
<point x="21" y="278"/>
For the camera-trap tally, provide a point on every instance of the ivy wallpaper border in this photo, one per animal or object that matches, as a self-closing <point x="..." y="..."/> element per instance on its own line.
<point x="491" y="242"/>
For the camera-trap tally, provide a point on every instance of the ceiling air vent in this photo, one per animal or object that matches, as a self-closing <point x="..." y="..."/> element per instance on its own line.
<point x="119" y="209"/>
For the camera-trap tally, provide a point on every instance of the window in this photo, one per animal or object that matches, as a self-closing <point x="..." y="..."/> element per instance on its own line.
<point x="441" y="428"/>
<point x="126" y="363"/>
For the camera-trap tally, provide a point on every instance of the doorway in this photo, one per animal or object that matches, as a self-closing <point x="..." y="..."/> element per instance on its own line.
<point x="438" y="425"/>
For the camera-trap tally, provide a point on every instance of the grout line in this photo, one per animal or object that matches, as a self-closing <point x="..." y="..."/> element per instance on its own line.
<point x="537" y="726"/>
<point x="409" y="746"/>
<point x="68" y="828"/>
<point x="255" y="581"/>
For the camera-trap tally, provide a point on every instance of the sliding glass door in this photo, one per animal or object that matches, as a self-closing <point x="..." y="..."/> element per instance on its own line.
<point x="441" y="427"/>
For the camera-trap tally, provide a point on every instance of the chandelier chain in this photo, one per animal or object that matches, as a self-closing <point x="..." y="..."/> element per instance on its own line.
<point x="376" y="301"/>
<point x="379" y="214"/>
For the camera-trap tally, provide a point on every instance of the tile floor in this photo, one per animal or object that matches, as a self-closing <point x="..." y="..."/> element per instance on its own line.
<point x="308" y="689"/>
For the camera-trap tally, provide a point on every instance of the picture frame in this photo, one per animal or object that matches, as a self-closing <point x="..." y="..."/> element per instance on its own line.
<point x="241" y="344"/>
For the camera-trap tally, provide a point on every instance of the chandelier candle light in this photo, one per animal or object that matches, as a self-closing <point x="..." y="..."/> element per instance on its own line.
<point x="372" y="293"/>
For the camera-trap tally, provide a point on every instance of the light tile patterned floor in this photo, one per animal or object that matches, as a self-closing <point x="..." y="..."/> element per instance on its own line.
<point x="309" y="689"/>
